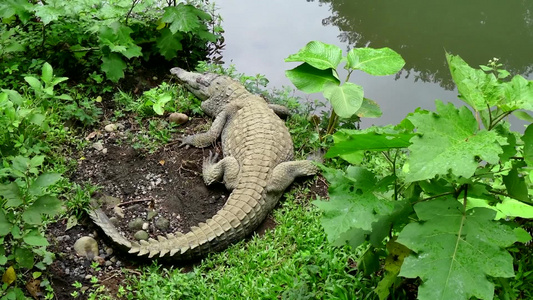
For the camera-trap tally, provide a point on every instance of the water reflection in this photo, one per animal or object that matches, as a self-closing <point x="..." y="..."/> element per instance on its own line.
<point x="421" y="31"/>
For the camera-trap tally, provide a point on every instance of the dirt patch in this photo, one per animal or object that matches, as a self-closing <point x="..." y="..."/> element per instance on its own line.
<point x="135" y="184"/>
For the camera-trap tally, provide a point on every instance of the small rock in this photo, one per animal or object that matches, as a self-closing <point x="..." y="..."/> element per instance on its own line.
<point x="162" y="223"/>
<point x="83" y="289"/>
<point x="118" y="263"/>
<point x="118" y="211"/>
<point x="113" y="259"/>
<point x="151" y="215"/>
<point x="108" y="251"/>
<point x="141" y="235"/>
<point x="145" y="226"/>
<point x="109" y="201"/>
<point x="136" y="224"/>
<point x="110" y="127"/>
<point x="98" y="146"/>
<point x="108" y="263"/>
<point x="104" y="151"/>
<point x="88" y="276"/>
<point x="86" y="247"/>
<point x="178" y="118"/>
<point x="67" y="271"/>
<point x="114" y="221"/>
<point x="99" y="259"/>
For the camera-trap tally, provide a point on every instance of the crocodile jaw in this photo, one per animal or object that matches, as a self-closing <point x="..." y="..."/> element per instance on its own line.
<point x="197" y="83"/>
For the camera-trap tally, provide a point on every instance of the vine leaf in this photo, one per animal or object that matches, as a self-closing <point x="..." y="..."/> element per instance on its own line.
<point x="169" y="44"/>
<point x="184" y="18"/>
<point x="319" y="55"/>
<point x="449" y="140"/>
<point x="377" y="62"/>
<point x="113" y="66"/>
<point x="355" y="203"/>
<point x="345" y="99"/>
<point x="456" y="251"/>
<point x="309" y="79"/>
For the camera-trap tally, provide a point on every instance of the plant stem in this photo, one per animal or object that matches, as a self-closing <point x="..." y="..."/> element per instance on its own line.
<point x="499" y="118"/>
<point x="333" y="118"/>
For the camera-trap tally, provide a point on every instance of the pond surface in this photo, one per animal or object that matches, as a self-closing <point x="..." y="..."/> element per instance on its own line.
<point x="261" y="34"/>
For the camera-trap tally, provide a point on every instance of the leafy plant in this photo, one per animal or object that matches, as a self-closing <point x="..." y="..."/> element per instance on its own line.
<point x="318" y="73"/>
<point x="447" y="200"/>
<point x="110" y="35"/>
<point x="26" y="203"/>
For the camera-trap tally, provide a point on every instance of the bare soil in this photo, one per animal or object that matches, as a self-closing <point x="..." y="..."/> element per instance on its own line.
<point x="165" y="184"/>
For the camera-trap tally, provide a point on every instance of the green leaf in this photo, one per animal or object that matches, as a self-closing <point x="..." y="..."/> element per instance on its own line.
<point x="379" y="62"/>
<point x="449" y="140"/>
<point x="182" y="18"/>
<point x="113" y="66"/>
<point x="160" y="104"/>
<point x="309" y="79"/>
<point x="34" y="83"/>
<point x="511" y="208"/>
<point x="369" y="109"/>
<point x="345" y="99"/>
<point x="522" y="115"/>
<point x="393" y="263"/>
<point x="169" y="44"/>
<point x="475" y="87"/>
<point x="356" y="140"/>
<point x="37" y="161"/>
<point x="319" y="55"/>
<point x="21" y="8"/>
<point x="5" y="226"/>
<point x="455" y="252"/>
<point x="49" y="13"/>
<point x="117" y="37"/>
<point x="24" y="257"/>
<point x="522" y="235"/>
<point x="527" y="138"/>
<point x="516" y="185"/>
<point x="355" y="203"/>
<point x="11" y="192"/>
<point x="47" y="73"/>
<point x="518" y="94"/>
<point x="35" y="238"/>
<point x="43" y="181"/>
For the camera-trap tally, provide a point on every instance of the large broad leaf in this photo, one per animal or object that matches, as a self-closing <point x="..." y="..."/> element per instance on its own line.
<point x="169" y="44"/>
<point x="372" y="139"/>
<point x="369" y="109"/>
<point x="449" y="140"/>
<point x="49" y="12"/>
<point x="319" y="55"/>
<point x="456" y="251"/>
<point x="35" y="238"/>
<point x="355" y="203"/>
<point x="24" y="257"/>
<point x="5" y="226"/>
<point x="117" y="37"/>
<point x="383" y="61"/>
<point x="113" y="66"/>
<point x="21" y="8"/>
<point x="475" y="87"/>
<point x="11" y="192"/>
<point x="182" y="18"/>
<point x="345" y="99"/>
<point x="49" y="205"/>
<point x="518" y="94"/>
<point x="527" y="138"/>
<point x="309" y="79"/>
<point x="43" y="181"/>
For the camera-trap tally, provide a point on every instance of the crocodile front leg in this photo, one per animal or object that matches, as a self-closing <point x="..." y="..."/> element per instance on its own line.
<point x="209" y="137"/>
<point x="285" y="173"/>
<point x="213" y="171"/>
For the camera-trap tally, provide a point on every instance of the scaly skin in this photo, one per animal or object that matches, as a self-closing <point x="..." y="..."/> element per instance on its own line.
<point x="257" y="167"/>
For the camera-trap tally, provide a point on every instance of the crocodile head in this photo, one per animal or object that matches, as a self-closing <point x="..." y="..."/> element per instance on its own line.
<point x="200" y="85"/>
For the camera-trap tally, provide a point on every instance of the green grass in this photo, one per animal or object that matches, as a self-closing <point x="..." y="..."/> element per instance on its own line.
<point x="292" y="261"/>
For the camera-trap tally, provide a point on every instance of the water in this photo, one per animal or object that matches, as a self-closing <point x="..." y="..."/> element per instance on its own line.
<point x="261" y="34"/>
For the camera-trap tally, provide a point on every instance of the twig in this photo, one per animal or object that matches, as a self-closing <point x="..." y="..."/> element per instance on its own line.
<point x="135" y="201"/>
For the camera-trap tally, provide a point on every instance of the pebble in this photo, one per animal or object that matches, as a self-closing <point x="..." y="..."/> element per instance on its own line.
<point x="104" y="151"/>
<point x="145" y="226"/>
<point x="108" y="251"/>
<point x="136" y="224"/>
<point x="114" y="221"/>
<point x="86" y="247"/>
<point x="118" y="211"/>
<point x="178" y="118"/>
<point x="151" y="215"/>
<point x="63" y="238"/>
<point x="141" y="235"/>
<point x="98" y="146"/>
<point x="162" y="223"/>
<point x="110" y="127"/>
<point x="109" y="201"/>
<point x="88" y="276"/>
<point x="108" y="263"/>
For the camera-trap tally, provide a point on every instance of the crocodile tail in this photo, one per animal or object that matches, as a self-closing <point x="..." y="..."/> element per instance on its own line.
<point x="101" y="220"/>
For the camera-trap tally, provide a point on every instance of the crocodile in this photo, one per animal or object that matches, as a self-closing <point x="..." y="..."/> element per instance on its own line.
<point x="257" y="166"/>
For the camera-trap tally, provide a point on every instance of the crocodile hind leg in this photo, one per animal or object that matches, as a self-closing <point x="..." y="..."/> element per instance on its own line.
<point x="285" y="173"/>
<point x="213" y="171"/>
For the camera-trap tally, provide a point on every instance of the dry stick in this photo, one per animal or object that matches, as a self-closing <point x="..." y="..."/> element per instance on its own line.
<point x="136" y="201"/>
